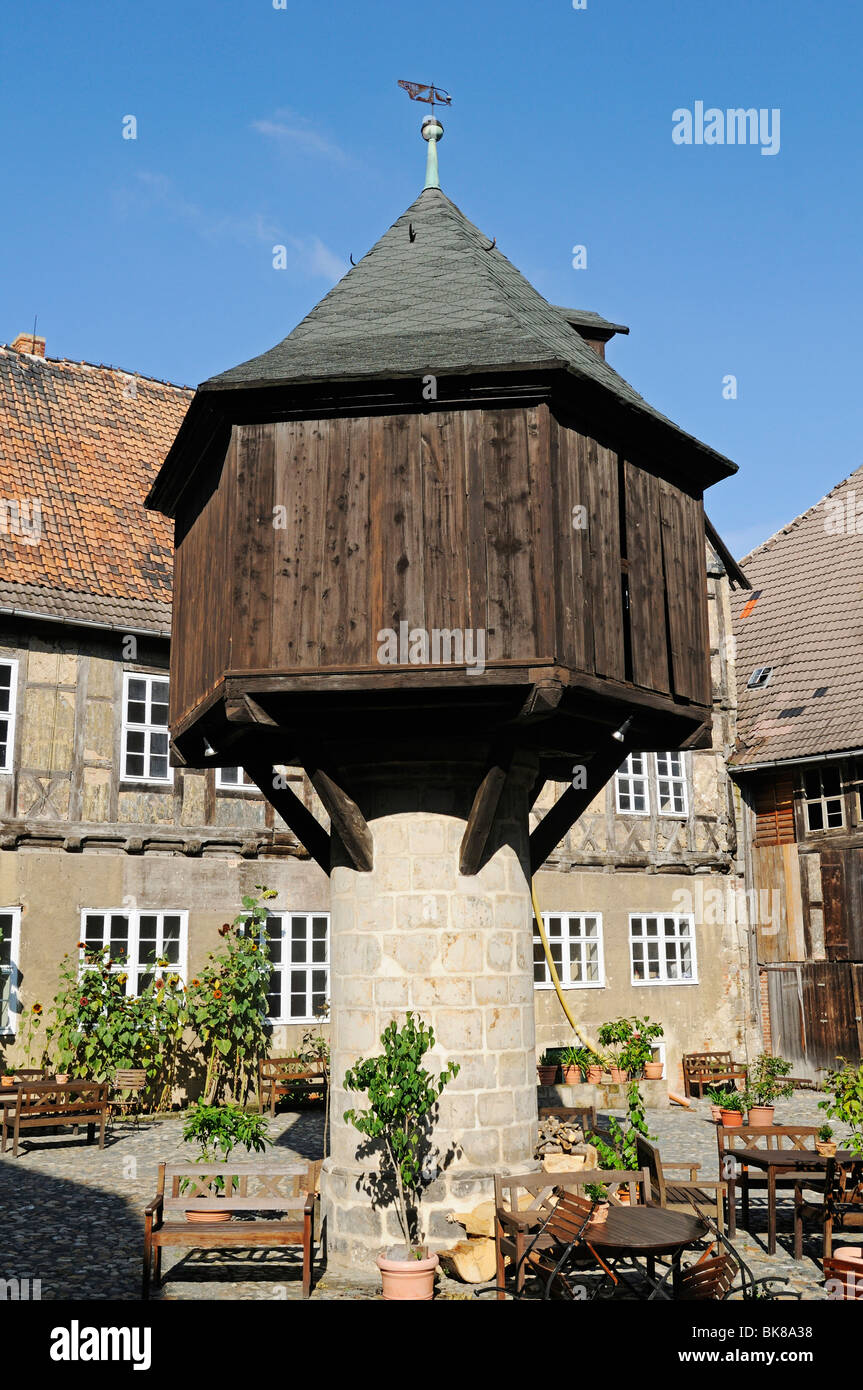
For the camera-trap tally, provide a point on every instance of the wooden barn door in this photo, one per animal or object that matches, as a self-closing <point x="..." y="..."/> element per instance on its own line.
<point x="815" y="1015"/>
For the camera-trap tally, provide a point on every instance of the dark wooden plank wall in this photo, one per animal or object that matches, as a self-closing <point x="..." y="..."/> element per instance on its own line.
<point x="450" y="519"/>
<point x="842" y="887"/>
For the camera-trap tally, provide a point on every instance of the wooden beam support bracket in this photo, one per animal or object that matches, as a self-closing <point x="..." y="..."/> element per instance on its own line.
<point x="574" y="801"/>
<point x="346" y="818"/>
<point x="482" y="813"/>
<point x="307" y="828"/>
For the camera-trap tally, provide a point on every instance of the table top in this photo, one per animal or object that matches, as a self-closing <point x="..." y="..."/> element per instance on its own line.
<point x="646" y="1230"/>
<point x="788" y="1158"/>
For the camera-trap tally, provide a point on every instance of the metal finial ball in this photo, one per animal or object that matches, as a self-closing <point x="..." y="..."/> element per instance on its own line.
<point x="431" y="125"/>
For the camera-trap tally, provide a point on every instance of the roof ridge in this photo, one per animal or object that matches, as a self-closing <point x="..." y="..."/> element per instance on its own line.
<point x="798" y="520"/>
<point x="92" y="366"/>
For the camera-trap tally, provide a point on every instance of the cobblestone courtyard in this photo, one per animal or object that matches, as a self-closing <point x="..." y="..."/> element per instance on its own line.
<point x="72" y="1215"/>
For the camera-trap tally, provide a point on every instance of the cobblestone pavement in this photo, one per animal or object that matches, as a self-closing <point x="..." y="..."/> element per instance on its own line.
<point x="72" y="1214"/>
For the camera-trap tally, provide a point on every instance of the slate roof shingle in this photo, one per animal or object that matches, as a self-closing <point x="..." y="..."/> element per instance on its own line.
<point x="86" y="442"/>
<point x="807" y="623"/>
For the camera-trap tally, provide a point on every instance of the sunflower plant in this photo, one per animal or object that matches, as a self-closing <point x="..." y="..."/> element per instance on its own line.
<point x="228" y="1002"/>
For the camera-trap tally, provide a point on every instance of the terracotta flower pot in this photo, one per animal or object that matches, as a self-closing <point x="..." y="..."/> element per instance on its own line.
<point x="547" y="1075"/>
<point x="849" y="1254"/>
<point x="618" y="1075"/>
<point x="7" y="1079"/>
<point x="826" y="1148"/>
<point x="571" y="1075"/>
<point x="731" y="1119"/>
<point x="653" y="1071"/>
<point x="407" y="1279"/>
<point x="594" y="1075"/>
<point x="62" y="1077"/>
<point x="761" y="1116"/>
<point x="199" y="1214"/>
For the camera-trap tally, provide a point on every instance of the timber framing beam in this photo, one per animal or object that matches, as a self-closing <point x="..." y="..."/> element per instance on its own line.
<point x="574" y="801"/>
<point x="307" y="828"/>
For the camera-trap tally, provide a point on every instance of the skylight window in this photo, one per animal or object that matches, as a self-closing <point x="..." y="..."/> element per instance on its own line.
<point x="760" y="676"/>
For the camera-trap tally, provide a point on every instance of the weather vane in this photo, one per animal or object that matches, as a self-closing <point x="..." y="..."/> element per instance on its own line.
<point x="427" y="92"/>
<point x="432" y="130"/>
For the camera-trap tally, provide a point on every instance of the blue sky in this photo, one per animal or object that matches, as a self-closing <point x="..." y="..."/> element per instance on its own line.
<point x="259" y="126"/>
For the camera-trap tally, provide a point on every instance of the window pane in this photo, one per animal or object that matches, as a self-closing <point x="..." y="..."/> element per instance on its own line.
<point x="814" y="815"/>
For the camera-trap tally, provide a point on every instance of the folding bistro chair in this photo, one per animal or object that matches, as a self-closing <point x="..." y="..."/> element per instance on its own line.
<point x="560" y="1249"/>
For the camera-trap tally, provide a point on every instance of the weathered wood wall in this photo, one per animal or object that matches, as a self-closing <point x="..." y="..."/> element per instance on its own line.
<point x="331" y="530"/>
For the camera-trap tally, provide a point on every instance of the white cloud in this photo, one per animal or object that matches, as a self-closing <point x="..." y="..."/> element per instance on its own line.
<point x="291" y="130"/>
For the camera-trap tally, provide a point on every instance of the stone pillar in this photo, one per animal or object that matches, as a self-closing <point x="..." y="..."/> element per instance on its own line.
<point x="416" y="934"/>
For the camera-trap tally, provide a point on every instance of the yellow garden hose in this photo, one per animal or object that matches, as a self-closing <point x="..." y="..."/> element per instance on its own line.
<point x="552" y="970"/>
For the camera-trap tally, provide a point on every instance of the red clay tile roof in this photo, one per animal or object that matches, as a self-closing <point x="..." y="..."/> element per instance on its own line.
<point x="805" y="619"/>
<point x="85" y="442"/>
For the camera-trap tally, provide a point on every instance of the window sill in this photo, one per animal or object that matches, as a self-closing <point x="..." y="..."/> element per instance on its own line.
<point x="662" y="984"/>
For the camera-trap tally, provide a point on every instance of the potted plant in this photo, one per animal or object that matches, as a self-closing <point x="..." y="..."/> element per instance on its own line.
<point x="717" y="1099"/>
<point x="637" y="1054"/>
<point x="616" y="1036"/>
<point x="593" y="1066"/>
<point x="732" y="1109"/>
<point x="825" y="1144"/>
<point x="570" y="1065"/>
<point x="546" y="1070"/>
<point x="846" y="1103"/>
<point x="598" y="1195"/>
<point x="218" y="1130"/>
<point x="765" y="1086"/>
<point x="402" y="1107"/>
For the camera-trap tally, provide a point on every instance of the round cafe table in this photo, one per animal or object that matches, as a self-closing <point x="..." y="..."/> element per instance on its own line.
<point x="644" y="1233"/>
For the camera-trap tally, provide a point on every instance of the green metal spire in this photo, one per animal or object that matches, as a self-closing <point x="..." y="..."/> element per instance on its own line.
<point x="432" y="131"/>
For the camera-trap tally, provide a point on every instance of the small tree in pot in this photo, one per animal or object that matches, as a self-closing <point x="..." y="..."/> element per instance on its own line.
<point x="846" y="1103"/>
<point x="218" y="1130"/>
<point x="403" y="1099"/>
<point x="766" y="1086"/>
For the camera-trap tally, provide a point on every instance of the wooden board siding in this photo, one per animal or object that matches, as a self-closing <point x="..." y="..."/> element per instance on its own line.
<point x="815" y="1015"/>
<point x="646" y="580"/>
<point x="321" y="533"/>
<point x="842" y="888"/>
<point x="773" y="799"/>
<point x="777" y="903"/>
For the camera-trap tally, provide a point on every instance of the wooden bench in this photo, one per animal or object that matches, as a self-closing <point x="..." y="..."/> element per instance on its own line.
<point x="289" y="1076"/>
<point x="48" y="1105"/>
<point x="287" y="1190"/>
<point x="514" y="1222"/>
<point x="767" y="1137"/>
<point x="680" y="1196"/>
<point x="702" y="1069"/>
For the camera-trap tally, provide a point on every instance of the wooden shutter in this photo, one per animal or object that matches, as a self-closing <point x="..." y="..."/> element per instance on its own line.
<point x="774" y="811"/>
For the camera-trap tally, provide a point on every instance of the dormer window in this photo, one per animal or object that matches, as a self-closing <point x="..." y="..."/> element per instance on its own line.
<point x="760" y="676"/>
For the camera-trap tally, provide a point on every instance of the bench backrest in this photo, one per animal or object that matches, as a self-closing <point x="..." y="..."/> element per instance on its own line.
<point x="705" y="1063"/>
<point x="70" y="1097"/>
<point x="290" y="1069"/>
<point x="508" y="1190"/>
<point x="259" y="1185"/>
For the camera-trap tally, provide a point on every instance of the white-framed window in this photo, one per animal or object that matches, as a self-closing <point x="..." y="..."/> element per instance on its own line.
<point x="145" y="728"/>
<point x="823" y="798"/>
<point x="10" y="936"/>
<point x="138" y="941"/>
<point x="631" y="786"/>
<point x="234" y="779"/>
<point x="8" y="693"/>
<point x="299" y="950"/>
<point x="662" y="948"/>
<point x="671" y="796"/>
<point x="575" y="942"/>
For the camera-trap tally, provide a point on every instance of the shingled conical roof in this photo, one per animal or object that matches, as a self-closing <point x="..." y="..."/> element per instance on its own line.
<point x="433" y="295"/>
